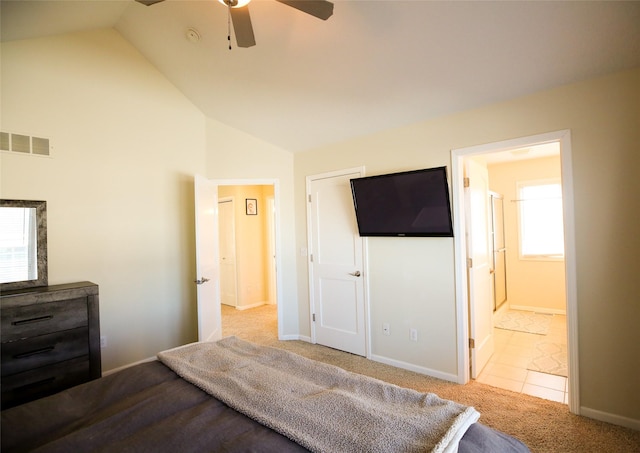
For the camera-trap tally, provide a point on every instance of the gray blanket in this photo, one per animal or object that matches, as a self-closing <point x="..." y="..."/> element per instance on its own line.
<point x="320" y="406"/>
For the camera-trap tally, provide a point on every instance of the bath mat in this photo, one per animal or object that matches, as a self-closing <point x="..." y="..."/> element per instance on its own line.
<point x="550" y="358"/>
<point x="525" y="321"/>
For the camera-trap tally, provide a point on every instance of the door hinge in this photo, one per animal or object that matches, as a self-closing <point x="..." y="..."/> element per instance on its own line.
<point x="472" y="343"/>
<point x="469" y="263"/>
<point x="314" y="317"/>
<point x="311" y="257"/>
<point x="465" y="182"/>
<point x="309" y="197"/>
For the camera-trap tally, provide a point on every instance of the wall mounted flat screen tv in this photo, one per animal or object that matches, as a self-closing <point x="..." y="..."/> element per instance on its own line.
<point x="410" y="203"/>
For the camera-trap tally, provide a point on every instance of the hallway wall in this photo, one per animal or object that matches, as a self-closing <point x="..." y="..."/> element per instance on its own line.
<point x="251" y="243"/>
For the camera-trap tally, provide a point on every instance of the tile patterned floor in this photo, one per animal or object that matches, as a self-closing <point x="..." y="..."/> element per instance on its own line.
<point x="507" y="368"/>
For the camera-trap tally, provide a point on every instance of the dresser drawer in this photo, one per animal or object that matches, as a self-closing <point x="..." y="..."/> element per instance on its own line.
<point x="44" y="381"/>
<point x="22" y="355"/>
<point x="38" y="319"/>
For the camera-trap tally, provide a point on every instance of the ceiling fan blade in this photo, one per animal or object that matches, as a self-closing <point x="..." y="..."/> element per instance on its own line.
<point x="321" y="9"/>
<point x="242" y="27"/>
<point x="149" y="2"/>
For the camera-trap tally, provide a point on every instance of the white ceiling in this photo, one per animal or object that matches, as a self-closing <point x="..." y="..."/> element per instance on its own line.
<point x="373" y="65"/>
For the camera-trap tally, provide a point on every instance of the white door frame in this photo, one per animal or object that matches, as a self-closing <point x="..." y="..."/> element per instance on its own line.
<point x="365" y="264"/>
<point x="462" y="309"/>
<point x="272" y="291"/>
<point x="276" y="196"/>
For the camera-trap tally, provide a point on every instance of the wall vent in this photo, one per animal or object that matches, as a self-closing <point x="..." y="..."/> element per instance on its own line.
<point x="24" y="144"/>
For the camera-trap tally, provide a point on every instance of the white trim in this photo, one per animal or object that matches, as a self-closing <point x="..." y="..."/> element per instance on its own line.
<point x="276" y="196"/>
<point x="129" y="365"/>
<point x="415" y="368"/>
<point x="257" y="304"/>
<point x="614" y="419"/>
<point x="550" y="311"/>
<point x="570" y="266"/>
<point x="297" y="337"/>
<point x="462" y="309"/>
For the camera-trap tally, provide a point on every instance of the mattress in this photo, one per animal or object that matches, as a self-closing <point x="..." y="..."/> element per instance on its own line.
<point x="149" y="408"/>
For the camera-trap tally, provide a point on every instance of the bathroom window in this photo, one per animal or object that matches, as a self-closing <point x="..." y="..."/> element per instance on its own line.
<point x="540" y="220"/>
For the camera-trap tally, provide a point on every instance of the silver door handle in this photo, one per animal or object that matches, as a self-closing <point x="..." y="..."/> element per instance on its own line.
<point x="201" y="281"/>
<point x="355" y="274"/>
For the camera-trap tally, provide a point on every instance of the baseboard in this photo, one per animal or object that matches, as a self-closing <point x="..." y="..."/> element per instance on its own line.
<point x="610" y="418"/>
<point x="246" y="307"/>
<point x="550" y="311"/>
<point x="129" y="365"/>
<point x="295" y="337"/>
<point x="415" y="368"/>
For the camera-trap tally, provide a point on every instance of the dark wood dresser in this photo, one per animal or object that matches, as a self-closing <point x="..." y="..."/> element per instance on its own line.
<point x="50" y="340"/>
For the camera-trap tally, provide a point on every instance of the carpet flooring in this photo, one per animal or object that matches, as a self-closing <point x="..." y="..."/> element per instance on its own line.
<point x="545" y="426"/>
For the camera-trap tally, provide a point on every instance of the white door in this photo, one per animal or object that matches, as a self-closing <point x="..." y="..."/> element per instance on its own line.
<point x="271" y="234"/>
<point x="207" y="271"/>
<point x="336" y="265"/>
<point x="228" y="280"/>
<point x="479" y="266"/>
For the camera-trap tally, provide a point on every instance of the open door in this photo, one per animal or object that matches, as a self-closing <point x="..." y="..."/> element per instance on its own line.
<point x="207" y="267"/>
<point x="481" y="345"/>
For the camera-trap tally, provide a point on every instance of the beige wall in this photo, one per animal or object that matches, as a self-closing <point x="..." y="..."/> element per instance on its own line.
<point x="234" y="155"/>
<point x="531" y="284"/>
<point x="251" y="243"/>
<point x="603" y="116"/>
<point x="120" y="191"/>
<point x="119" y="183"/>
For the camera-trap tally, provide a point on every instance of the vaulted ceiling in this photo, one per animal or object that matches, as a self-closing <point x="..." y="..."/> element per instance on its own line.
<point x="373" y="65"/>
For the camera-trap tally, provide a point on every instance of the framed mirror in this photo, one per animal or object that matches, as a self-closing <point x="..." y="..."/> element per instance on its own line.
<point x="23" y="244"/>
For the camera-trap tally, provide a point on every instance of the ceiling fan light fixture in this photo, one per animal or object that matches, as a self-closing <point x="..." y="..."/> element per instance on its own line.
<point x="235" y="3"/>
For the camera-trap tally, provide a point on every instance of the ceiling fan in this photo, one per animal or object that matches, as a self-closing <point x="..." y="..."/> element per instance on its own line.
<point x="239" y="10"/>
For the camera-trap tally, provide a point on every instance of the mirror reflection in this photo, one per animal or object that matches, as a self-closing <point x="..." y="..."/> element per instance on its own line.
<point x="18" y="244"/>
<point x="23" y="239"/>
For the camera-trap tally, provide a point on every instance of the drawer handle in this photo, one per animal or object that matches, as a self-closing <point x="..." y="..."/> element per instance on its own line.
<point x="34" y="352"/>
<point x="32" y="320"/>
<point x="36" y="384"/>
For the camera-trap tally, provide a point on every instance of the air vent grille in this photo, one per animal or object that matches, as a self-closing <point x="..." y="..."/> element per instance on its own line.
<point x="4" y="141"/>
<point x="24" y="144"/>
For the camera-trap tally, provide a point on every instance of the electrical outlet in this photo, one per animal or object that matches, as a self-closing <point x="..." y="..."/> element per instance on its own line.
<point x="103" y="341"/>
<point x="385" y="328"/>
<point x="413" y="334"/>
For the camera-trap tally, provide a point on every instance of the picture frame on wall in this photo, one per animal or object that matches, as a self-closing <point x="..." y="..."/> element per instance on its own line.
<point x="251" y="206"/>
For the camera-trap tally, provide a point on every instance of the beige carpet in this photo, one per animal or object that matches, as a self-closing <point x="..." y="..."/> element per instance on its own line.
<point x="545" y="426"/>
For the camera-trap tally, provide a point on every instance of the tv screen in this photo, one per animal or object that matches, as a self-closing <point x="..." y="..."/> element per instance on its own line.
<point x="410" y="203"/>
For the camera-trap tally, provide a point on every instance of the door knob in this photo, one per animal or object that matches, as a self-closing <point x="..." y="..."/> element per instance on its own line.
<point x="201" y="281"/>
<point x="355" y="274"/>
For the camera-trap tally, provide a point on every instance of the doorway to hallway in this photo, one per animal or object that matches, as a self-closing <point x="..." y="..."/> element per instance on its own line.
<point x="247" y="249"/>
<point x="208" y="248"/>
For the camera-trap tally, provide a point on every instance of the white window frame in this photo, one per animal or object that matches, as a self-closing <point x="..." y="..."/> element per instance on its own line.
<point x="521" y="204"/>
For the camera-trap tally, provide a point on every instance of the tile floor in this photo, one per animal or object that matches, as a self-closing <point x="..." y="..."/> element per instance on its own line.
<point x="507" y="368"/>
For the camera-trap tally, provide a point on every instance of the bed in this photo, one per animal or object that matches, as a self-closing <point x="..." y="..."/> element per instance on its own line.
<point x="235" y="396"/>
